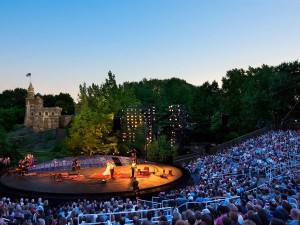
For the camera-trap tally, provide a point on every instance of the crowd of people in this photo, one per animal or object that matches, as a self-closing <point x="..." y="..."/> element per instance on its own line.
<point x="231" y="177"/>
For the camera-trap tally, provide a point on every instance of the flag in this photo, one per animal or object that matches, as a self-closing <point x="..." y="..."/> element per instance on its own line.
<point x="28" y="75"/>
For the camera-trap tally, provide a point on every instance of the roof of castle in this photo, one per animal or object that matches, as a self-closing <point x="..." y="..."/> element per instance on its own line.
<point x="30" y="88"/>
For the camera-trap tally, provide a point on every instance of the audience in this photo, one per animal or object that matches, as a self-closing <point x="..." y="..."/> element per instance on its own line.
<point x="230" y="176"/>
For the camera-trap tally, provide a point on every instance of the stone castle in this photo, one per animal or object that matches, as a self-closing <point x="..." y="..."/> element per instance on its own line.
<point x="41" y="118"/>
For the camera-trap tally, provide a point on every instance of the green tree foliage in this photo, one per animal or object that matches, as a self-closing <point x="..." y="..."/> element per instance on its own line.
<point x="162" y="94"/>
<point x="266" y="93"/>
<point x="159" y="150"/>
<point x="5" y="149"/>
<point x="91" y="131"/>
<point x="232" y="91"/>
<point x="62" y="100"/>
<point x="12" y="108"/>
<point x="206" y="102"/>
<point x="49" y="100"/>
<point x="13" y="98"/>
<point x="10" y="117"/>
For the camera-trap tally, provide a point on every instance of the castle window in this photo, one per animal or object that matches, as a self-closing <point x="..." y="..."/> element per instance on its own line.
<point x="40" y="113"/>
<point x="52" y="113"/>
<point x="46" y="113"/>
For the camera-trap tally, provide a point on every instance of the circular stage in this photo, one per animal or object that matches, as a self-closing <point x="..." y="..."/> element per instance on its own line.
<point x="56" y="180"/>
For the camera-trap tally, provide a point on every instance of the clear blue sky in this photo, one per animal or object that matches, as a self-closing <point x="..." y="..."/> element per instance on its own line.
<point x="64" y="43"/>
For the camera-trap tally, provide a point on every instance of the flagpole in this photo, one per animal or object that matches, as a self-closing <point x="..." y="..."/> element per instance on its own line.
<point x="29" y="75"/>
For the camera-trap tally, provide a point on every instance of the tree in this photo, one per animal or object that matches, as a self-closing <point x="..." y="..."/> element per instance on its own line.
<point x="66" y="102"/>
<point x="12" y="108"/>
<point x="10" y="117"/>
<point x="206" y="102"/>
<point x="5" y="149"/>
<point x="62" y="100"/>
<point x="13" y="98"/>
<point x="49" y="100"/>
<point x="92" y="131"/>
<point x="89" y="133"/>
<point x="159" y="150"/>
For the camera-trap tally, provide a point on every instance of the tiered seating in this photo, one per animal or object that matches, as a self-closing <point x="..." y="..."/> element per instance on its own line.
<point x="228" y="184"/>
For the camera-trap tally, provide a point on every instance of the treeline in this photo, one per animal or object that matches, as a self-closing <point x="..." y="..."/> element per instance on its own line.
<point x="246" y="100"/>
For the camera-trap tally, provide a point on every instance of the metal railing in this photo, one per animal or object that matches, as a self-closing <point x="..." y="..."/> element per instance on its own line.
<point x="103" y="218"/>
<point x="238" y="140"/>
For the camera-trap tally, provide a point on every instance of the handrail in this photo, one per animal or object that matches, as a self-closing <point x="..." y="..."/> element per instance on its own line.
<point x="238" y="140"/>
<point x="82" y="217"/>
<point x="178" y="159"/>
<point x="207" y="203"/>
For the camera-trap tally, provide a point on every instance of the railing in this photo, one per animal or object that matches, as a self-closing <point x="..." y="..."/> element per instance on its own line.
<point x="215" y="202"/>
<point x="180" y="159"/>
<point x="292" y="164"/>
<point x="103" y="218"/>
<point x="238" y="140"/>
<point x="154" y="203"/>
<point x="229" y="175"/>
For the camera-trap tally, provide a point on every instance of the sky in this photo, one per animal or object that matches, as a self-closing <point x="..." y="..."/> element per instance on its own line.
<point x="64" y="43"/>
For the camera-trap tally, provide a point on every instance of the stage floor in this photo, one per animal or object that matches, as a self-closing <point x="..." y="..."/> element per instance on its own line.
<point x="90" y="181"/>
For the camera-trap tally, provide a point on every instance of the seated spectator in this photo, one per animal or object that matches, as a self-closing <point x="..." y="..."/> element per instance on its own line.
<point x="248" y="222"/>
<point x="295" y="216"/>
<point x="277" y="222"/>
<point x="226" y="221"/>
<point x="233" y="218"/>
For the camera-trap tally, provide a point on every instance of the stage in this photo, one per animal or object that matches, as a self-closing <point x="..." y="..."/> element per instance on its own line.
<point x="90" y="181"/>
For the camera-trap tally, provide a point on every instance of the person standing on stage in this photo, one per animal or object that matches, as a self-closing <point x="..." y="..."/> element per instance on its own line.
<point x="112" y="169"/>
<point x="133" y="168"/>
<point x="107" y="171"/>
<point x="75" y="164"/>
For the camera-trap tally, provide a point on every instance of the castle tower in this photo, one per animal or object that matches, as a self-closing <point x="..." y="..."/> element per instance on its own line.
<point x="30" y="102"/>
<point x="38" y="117"/>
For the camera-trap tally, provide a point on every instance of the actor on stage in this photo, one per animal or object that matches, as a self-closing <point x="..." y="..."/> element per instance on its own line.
<point x="75" y="164"/>
<point x="112" y="170"/>
<point x="133" y="168"/>
<point x="107" y="171"/>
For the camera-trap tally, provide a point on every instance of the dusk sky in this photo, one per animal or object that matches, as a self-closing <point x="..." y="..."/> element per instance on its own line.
<point x="64" y="43"/>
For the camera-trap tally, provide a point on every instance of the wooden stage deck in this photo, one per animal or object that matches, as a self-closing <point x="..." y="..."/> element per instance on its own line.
<point x="91" y="182"/>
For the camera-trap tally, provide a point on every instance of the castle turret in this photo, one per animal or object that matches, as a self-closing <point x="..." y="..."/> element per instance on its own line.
<point x="30" y="91"/>
<point x="29" y="113"/>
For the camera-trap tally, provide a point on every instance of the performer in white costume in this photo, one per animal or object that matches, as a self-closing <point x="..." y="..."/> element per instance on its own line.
<point x="107" y="171"/>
